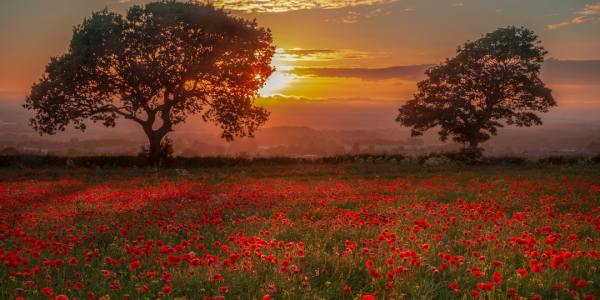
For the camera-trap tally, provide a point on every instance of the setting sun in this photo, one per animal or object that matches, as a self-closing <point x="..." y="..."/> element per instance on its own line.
<point x="278" y="81"/>
<point x="282" y="77"/>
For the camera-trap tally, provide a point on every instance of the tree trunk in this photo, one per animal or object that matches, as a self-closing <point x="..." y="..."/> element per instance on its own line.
<point x="156" y="136"/>
<point x="473" y="144"/>
<point x="154" y="151"/>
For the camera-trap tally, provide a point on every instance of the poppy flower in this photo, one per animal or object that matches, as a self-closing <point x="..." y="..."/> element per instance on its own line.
<point x="497" y="277"/>
<point x="581" y="283"/>
<point x="454" y="286"/>
<point x="134" y="265"/>
<point x="48" y="291"/>
<point x="167" y="290"/>
<point x="485" y="286"/>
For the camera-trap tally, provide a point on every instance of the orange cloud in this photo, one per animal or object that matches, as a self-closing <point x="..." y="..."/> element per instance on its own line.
<point x="591" y="12"/>
<point x="290" y="5"/>
<point x="414" y="72"/>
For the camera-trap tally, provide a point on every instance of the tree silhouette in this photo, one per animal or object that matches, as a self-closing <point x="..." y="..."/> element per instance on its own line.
<point x="491" y="82"/>
<point x="157" y="65"/>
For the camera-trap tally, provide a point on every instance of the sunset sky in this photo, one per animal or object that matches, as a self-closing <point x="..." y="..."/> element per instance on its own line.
<point x="344" y="62"/>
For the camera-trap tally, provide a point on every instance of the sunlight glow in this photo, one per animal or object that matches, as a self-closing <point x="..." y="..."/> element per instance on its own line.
<point x="278" y="81"/>
<point x="281" y="78"/>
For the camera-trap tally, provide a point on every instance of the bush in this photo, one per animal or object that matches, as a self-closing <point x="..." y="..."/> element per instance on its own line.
<point x="464" y="157"/>
<point x="564" y="160"/>
<point x="506" y="161"/>
<point x="362" y="158"/>
<point x="434" y="159"/>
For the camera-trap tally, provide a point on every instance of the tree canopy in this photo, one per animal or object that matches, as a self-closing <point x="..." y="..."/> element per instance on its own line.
<point x="491" y="82"/>
<point x="157" y="65"/>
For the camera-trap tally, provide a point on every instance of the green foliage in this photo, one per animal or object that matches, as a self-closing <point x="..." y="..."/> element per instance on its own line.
<point x="156" y="66"/>
<point x="9" y="151"/>
<point x="491" y="82"/>
<point x="448" y="159"/>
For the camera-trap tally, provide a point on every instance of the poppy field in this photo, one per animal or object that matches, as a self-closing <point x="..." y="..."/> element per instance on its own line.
<point x="301" y="232"/>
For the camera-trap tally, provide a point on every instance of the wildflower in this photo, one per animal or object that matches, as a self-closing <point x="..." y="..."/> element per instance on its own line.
<point x="522" y="272"/>
<point x="537" y="268"/>
<point x="581" y="283"/>
<point x="143" y="288"/>
<point x="374" y="274"/>
<point x="454" y="286"/>
<point x="47" y="291"/>
<point x="167" y="290"/>
<point x="476" y="272"/>
<point x="485" y="286"/>
<point x="497" y="277"/>
<point x="134" y="265"/>
<point x="73" y="261"/>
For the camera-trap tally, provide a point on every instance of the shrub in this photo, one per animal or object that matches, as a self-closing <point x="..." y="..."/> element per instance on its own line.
<point x="563" y="160"/>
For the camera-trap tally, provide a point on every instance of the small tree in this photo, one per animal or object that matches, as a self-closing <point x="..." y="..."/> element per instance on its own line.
<point x="157" y="65"/>
<point x="491" y="80"/>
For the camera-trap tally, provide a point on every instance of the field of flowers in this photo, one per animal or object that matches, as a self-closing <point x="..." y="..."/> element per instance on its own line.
<point x="300" y="232"/>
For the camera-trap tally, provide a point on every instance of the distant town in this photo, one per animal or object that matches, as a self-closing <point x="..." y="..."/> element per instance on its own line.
<point x="582" y="139"/>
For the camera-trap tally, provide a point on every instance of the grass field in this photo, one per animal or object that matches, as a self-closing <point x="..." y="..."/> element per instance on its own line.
<point x="301" y="232"/>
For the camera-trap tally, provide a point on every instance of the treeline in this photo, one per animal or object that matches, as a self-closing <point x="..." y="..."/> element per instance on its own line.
<point x="436" y="159"/>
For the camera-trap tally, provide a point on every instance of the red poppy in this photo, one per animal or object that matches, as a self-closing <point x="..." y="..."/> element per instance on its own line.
<point x="167" y="290"/>
<point x="497" y="277"/>
<point x="134" y="265"/>
<point x="47" y="291"/>
<point x="485" y="286"/>
<point x="454" y="286"/>
<point x="581" y="283"/>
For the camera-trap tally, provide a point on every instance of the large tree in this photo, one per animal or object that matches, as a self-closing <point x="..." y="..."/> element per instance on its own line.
<point x="157" y="65"/>
<point x="491" y="82"/>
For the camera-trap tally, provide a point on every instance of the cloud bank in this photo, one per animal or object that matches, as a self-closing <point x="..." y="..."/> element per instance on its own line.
<point x="553" y="71"/>
<point x="590" y="13"/>
<point x="572" y="71"/>
<point x="290" y="5"/>
<point x="414" y="72"/>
